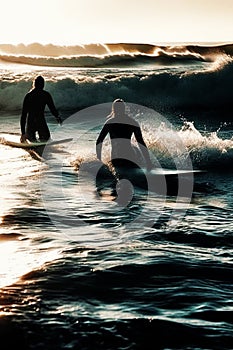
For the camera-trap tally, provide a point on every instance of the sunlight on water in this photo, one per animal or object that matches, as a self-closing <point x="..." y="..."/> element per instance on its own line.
<point x="19" y="174"/>
<point x="113" y="312"/>
<point x="16" y="260"/>
<point x="72" y="256"/>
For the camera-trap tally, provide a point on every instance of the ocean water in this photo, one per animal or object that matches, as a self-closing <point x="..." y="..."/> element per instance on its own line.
<point x="81" y="269"/>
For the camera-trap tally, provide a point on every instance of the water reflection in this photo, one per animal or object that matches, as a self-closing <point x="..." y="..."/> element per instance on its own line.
<point x="21" y="217"/>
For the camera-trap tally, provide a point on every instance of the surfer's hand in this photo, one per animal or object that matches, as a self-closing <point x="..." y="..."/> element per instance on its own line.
<point x="23" y="138"/>
<point x="59" y="120"/>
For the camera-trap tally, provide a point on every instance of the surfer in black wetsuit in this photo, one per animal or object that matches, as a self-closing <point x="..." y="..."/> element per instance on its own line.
<point x="32" y="117"/>
<point x="121" y="127"/>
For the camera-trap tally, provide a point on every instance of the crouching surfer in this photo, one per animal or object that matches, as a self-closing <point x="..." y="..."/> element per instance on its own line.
<point x="121" y="127"/>
<point x="125" y="158"/>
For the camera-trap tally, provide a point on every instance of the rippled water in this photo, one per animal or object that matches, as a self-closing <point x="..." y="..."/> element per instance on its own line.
<point x="79" y="271"/>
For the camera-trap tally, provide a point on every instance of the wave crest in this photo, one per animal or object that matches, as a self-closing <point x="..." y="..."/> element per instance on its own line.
<point x="164" y="90"/>
<point x="110" y="55"/>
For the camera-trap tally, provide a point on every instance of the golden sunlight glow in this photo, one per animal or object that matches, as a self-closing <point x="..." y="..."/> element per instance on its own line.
<point x="78" y="21"/>
<point x="12" y="264"/>
<point x="16" y="262"/>
<point x="18" y="255"/>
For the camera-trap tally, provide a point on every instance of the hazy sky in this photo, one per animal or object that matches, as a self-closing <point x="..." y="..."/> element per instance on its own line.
<point x="85" y="21"/>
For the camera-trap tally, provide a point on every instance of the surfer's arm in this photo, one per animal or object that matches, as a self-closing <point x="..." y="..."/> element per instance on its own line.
<point x="143" y="147"/>
<point x="52" y="108"/>
<point x="99" y="141"/>
<point x="24" y="118"/>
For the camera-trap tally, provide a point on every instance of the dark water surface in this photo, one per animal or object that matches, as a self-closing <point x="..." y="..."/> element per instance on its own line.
<point x="78" y="270"/>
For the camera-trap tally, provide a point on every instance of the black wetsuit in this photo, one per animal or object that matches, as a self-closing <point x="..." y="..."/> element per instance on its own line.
<point x="32" y="118"/>
<point x="121" y="130"/>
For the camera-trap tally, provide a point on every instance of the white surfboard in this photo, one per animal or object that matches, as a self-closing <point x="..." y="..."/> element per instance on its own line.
<point x="33" y="145"/>
<point x="163" y="181"/>
<point x="158" y="172"/>
<point x="171" y="172"/>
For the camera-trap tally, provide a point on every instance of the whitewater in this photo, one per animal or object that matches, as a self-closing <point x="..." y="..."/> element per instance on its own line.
<point x="79" y="269"/>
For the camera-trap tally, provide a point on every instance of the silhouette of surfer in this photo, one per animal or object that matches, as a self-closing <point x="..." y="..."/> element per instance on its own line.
<point x="32" y="118"/>
<point x="121" y="127"/>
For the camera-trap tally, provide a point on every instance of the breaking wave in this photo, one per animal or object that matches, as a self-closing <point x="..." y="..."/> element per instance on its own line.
<point x="199" y="90"/>
<point x="110" y="55"/>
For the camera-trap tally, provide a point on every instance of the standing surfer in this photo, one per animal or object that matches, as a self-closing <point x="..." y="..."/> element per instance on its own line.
<point x="32" y="117"/>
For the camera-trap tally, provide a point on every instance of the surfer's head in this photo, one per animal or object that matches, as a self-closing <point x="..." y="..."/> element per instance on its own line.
<point x="39" y="82"/>
<point x="118" y="107"/>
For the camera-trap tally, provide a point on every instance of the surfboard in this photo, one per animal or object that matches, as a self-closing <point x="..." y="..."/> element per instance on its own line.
<point x="167" y="172"/>
<point x="161" y="180"/>
<point x="33" y="145"/>
<point x="156" y="172"/>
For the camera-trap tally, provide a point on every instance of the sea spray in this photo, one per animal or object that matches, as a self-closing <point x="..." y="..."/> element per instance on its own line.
<point x="176" y="91"/>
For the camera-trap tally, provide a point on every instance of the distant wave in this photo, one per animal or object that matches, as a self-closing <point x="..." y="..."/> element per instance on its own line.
<point x="117" y="60"/>
<point x="110" y="55"/>
<point x="209" y="89"/>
